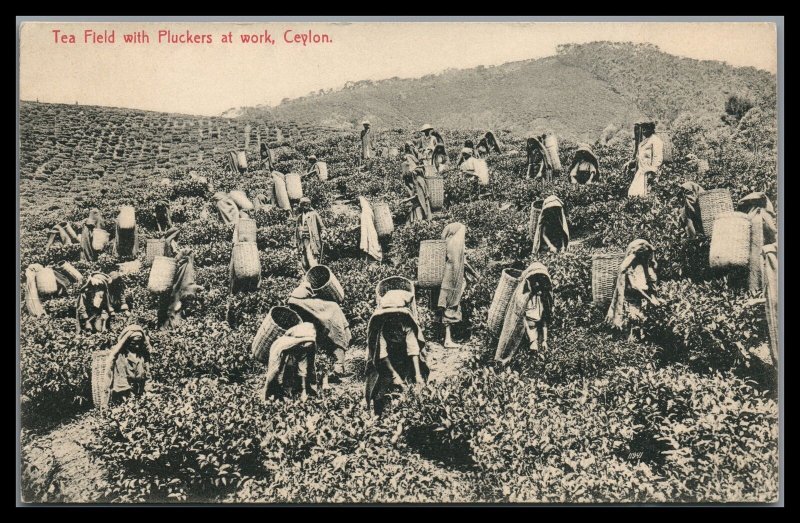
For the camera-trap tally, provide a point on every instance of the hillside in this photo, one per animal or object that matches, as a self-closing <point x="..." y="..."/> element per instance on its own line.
<point x="577" y="93"/>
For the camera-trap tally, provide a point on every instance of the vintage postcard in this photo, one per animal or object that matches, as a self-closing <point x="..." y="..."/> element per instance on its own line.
<point x="436" y="261"/>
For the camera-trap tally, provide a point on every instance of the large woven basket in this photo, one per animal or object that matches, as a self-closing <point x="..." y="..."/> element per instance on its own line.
<point x="322" y="170"/>
<point x="241" y="159"/>
<point x="324" y="284"/>
<point x="241" y="200"/>
<point x="551" y="144"/>
<point x="127" y="217"/>
<point x="162" y="274"/>
<point x="294" y="188"/>
<point x="713" y="203"/>
<point x="730" y="241"/>
<point x="275" y="324"/>
<point x="246" y="263"/>
<point x="101" y="390"/>
<point x="384" y="224"/>
<point x="281" y="195"/>
<point x="155" y="247"/>
<point x="71" y="271"/>
<point x="247" y="230"/>
<point x="46" y="284"/>
<point x="436" y="191"/>
<point x="536" y="212"/>
<point x="430" y="267"/>
<point x="605" y="268"/>
<point x="512" y="328"/>
<point x="99" y="239"/>
<point x="509" y="280"/>
<point x="393" y="283"/>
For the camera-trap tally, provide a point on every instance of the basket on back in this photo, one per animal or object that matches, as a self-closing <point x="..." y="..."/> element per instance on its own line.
<point x="281" y="194"/>
<point x="502" y="297"/>
<point x="430" y="267"/>
<point x="101" y="390"/>
<point x="247" y="230"/>
<point x="241" y="159"/>
<point x="155" y="247"/>
<point x="384" y="224"/>
<point x="436" y="191"/>
<point x="71" y="271"/>
<point x="241" y="200"/>
<point x="99" y="239"/>
<point x="730" y="241"/>
<point x="127" y="217"/>
<point x="536" y="212"/>
<point x="294" y="188"/>
<point x="713" y="203"/>
<point x="246" y="263"/>
<point x="46" y="284"/>
<point x="275" y="324"/>
<point x="605" y="268"/>
<point x="393" y="283"/>
<point x="162" y="274"/>
<point x="324" y="284"/>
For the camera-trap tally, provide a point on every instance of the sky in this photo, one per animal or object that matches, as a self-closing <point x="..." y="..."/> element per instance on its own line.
<point x="209" y="78"/>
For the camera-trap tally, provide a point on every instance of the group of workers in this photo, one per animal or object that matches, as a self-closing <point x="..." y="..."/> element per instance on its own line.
<point x="396" y="346"/>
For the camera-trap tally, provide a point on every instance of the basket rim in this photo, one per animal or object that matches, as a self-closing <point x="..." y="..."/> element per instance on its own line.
<point x="607" y="255"/>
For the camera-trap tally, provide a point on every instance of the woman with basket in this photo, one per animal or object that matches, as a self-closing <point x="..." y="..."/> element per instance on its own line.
<point x="367" y="143"/>
<point x="648" y="159"/>
<point x="448" y="296"/>
<point x="538" y="166"/>
<point x="418" y="196"/>
<point x="530" y="310"/>
<point x="100" y="299"/>
<point x="129" y="364"/>
<point x="309" y="233"/>
<point x="395" y="348"/>
<point x="763" y="231"/>
<point x="585" y="168"/>
<point x="227" y="209"/>
<point x="91" y="226"/>
<point x="690" y="214"/>
<point x="171" y="311"/>
<point x="290" y="369"/>
<point x="552" y="229"/>
<point x="634" y="287"/>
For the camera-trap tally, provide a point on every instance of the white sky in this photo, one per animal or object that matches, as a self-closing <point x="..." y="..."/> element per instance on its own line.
<point x="208" y="79"/>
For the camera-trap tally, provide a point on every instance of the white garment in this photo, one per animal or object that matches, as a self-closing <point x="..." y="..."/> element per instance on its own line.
<point x="649" y="158"/>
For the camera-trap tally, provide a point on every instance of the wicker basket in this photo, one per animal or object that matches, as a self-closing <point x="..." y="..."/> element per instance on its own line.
<point x="430" y="171"/>
<point x="46" y="284"/>
<point x="730" y="241"/>
<point x="551" y="144"/>
<point x="281" y="195"/>
<point x="502" y="297"/>
<point x="393" y="283"/>
<point x="322" y="170"/>
<point x="394" y="152"/>
<point x="246" y="263"/>
<point x="713" y="203"/>
<point x="384" y="225"/>
<point x="247" y="230"/>
<point x="162" y="274"/>
<point x="99" y="239"/>
<point x="294" y="188"/>
<point x="430" y="267"/>
<point x="241" y="159"/>
<point x="72" y="272"/>
<point x="101" y="390"/>
<point x="241" y="200"/>
<point x="275" y="324"/>
<point x="605" y="268"/>
<point x="436" y="191"/>
<point x="324" y="284"/>
<point x="155" y="247"/>
<point x="127" y="217"/>
<point x="536" y="212"/>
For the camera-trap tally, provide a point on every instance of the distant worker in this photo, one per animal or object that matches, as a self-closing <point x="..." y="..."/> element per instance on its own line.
<point x="367" y="142"/>
<point x="649" y="155"/>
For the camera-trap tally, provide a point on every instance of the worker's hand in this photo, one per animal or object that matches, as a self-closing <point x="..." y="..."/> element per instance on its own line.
<point x="544" y="346"/>
<point x="656" y="301"/>
<point x="553" y="249"/>
<point x="397" y="381"/>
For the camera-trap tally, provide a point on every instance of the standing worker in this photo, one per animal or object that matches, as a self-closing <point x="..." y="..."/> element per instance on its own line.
<point x="308" y="234"/>
<point x="367" y="142"/>
<point x="648" y="158"/>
